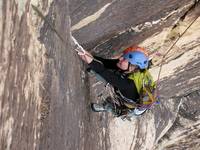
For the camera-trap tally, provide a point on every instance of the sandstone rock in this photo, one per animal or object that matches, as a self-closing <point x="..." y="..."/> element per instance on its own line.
<point x="45" y="91"/>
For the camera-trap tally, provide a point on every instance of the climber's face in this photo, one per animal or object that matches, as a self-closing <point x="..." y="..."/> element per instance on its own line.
<point x="123" y="63"/>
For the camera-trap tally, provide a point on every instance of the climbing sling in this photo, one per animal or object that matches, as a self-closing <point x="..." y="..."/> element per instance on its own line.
<point x="145" y="87"/>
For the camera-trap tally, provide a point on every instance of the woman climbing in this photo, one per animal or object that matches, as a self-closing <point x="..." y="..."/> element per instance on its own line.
<point x="129" y="76"/>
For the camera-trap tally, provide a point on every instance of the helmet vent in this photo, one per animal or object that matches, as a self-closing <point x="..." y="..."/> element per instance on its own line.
<point x="130" y="56"/>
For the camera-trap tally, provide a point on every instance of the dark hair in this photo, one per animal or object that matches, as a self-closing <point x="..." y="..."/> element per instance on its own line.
<point x="149" y="66"/>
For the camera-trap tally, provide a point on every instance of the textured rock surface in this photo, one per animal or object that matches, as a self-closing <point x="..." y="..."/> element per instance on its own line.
<point x="164" y="126"/>
<point x="45" y="92"/>
<point x="174" y="124"/>
<point x="21" y="67"/>
<point x="112" y="25"/>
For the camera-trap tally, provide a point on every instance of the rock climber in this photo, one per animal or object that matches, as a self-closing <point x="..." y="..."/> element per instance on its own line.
<point x="130" y="79"/>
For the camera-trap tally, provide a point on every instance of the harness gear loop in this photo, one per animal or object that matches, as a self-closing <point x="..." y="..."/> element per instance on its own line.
<point x="148" y="94"/>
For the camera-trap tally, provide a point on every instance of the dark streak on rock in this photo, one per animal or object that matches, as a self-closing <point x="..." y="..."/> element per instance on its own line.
<point x="4" y="19"/>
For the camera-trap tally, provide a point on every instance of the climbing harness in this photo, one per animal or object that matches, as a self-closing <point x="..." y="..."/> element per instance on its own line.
<point x="119" y="105"/>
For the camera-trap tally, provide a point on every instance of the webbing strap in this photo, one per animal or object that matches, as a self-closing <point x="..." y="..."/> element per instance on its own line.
<point x="152" y="98"/>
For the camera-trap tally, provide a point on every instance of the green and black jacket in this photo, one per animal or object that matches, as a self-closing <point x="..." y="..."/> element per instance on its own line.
<point x="130" y="86"/>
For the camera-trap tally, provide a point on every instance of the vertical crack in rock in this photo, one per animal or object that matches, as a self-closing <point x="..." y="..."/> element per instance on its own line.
<point x="3" y="27"/>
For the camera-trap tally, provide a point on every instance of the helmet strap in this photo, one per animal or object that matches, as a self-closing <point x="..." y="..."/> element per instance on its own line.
<point x="127" y="70"/>
<point x="129" y="64"/>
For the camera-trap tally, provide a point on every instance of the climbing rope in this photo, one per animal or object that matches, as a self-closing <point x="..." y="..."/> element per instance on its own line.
<point x="78" y="48"/>
<point x="169" y="49"/>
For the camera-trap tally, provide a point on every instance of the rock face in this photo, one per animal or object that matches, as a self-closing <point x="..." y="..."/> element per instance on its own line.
<point x="112" y="25"/>
<point x="21" y="67"/>
<point x="164" y="126"/>
<point x="37" y="88"/>
<point x="45" y="92"/>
